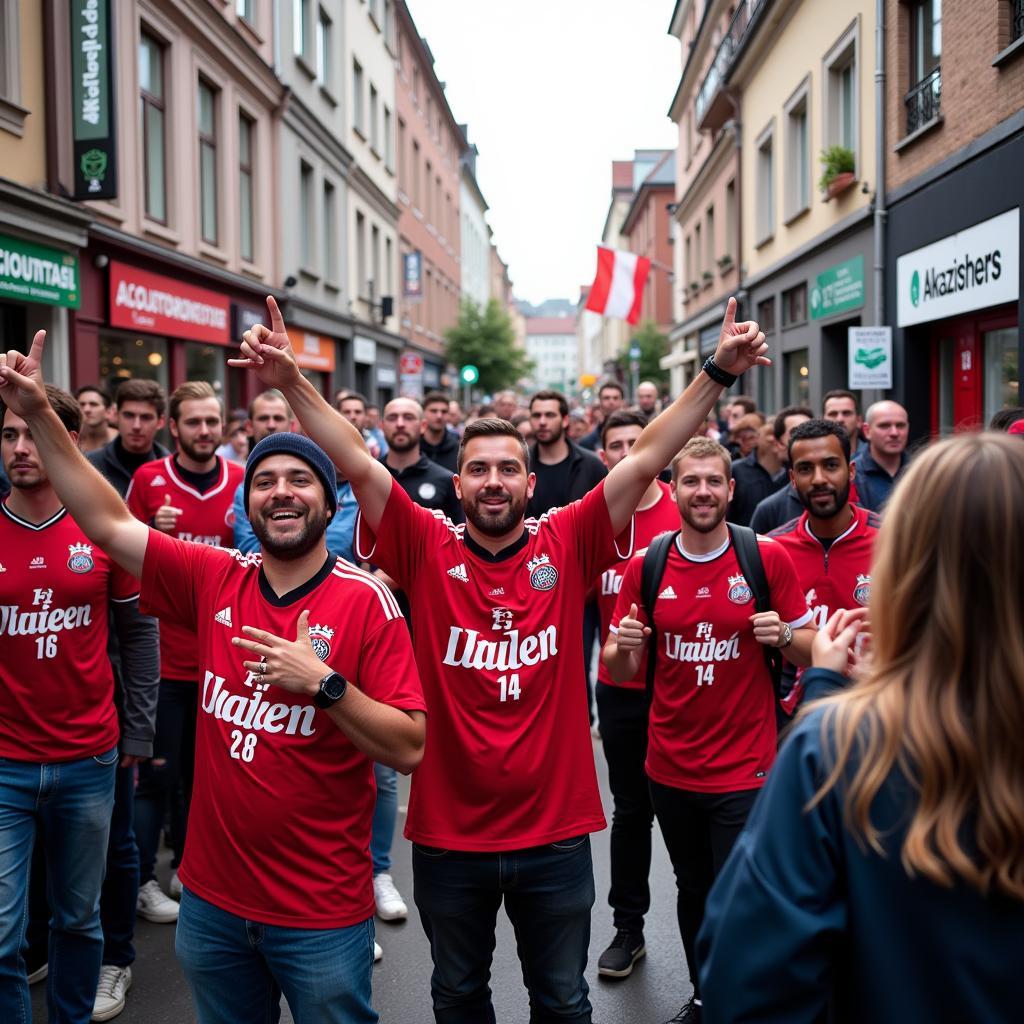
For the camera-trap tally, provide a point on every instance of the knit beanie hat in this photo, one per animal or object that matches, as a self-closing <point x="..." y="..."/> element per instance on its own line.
<point x="302" y="448"/>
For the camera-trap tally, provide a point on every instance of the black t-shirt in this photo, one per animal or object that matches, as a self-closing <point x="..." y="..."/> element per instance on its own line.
<point x="202" y="482"/>
<point x="429" y="485"/>
<point x="131" y="460"/>
<point x="552" y="490"/>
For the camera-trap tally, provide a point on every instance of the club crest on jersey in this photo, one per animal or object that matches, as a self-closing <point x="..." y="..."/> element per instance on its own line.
<point x="543" y="575"/>
<point x="862" y="592"/>
<point x="320" y="637"/>
<point x="739" y="590"/>
<point x="80" y="558"/>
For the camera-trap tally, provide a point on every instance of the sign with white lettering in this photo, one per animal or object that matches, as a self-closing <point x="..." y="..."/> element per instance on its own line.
<point x="970" y="270"/>
<point x="870" y="357"/>
<point x="94" y="124"/>
<point x="37" y="273"/>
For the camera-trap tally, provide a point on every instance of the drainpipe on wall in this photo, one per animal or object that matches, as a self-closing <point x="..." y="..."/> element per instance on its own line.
<point x="880" y="210"/>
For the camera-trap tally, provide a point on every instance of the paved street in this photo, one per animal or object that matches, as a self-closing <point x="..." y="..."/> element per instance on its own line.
<point x="656" y="990"/>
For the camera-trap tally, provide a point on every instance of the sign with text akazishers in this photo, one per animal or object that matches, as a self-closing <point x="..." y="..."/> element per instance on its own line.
<point x="94" y="123"/>
<point x="154" y="304"/>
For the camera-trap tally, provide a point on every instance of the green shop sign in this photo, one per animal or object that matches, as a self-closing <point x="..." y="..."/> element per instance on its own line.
<point x="92" y="99"/>
<point x="36" y="273"/>
<point x="839" y="289"/>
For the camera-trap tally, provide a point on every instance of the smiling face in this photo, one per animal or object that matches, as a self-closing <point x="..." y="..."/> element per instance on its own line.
<point x="821" y="476"/>
<point x="703" y="491"/>
<point x="287" y="506"/>
<point x="493" y="483"/>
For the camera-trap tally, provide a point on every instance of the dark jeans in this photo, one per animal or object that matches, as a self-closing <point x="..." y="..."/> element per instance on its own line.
<point x="548" y="893"/>
<point x="175" y="746"/>
<point x="622" y="715"/>
<point x="591" y="635"/>
<point x="700" y="830"/>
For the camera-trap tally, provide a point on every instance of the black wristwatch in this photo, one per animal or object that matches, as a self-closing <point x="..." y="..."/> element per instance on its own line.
<point x="332" y="689"/>
<point x="717" y="374"/>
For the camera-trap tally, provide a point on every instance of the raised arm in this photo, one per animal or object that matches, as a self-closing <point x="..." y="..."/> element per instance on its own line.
<point x="91" y="501"/>
<point x="269" y="353"/>
<point x="740" y="346"/>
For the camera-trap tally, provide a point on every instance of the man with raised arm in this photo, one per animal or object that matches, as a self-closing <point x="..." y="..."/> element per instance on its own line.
<point x="306" y="678"/>
<point x="506" y="796"/>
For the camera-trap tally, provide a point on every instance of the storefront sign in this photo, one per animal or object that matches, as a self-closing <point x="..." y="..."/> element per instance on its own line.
<point x="412" y="276"/>
<point x="870" y="357"/>
<point x="364" y="350"/>
<point x="312" y="351"/>
<point x="244" y="316"/>
<point x="971" y="270"/>
<point x="386" y="376"/>
<point x="839" y="289"/>
<point x="37" y="273"/>
<point x="92" y="100"/>
<point x="141" y="301"/>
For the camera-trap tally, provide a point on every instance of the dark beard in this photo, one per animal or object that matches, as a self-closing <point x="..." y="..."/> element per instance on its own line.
<point x="193" y="453"/>
<point x="405" y="446"/>
<point x="842" y="497"/>
<point x="298" y="545"/>
<point x="496" y="527"/>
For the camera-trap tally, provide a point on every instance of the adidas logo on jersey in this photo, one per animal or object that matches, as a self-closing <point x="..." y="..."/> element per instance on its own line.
<point x="3" y="568"/>
<point x="497" y="592"/>
<point x="458" y="572"/>
<point x="224" y="616"/>
<point x="158" y="481"/>
<point x="668" y="594"/>
<point x="704" y="592"/>
<point x="39" y="562"/>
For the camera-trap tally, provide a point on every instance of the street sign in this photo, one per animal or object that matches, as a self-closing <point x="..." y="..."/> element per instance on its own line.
<point x="838" y="289"/>
<point x="634" y="351"/>
<point x="469" y="374"/>
<point x="870" y="357"/>
<point x="94" y="122"/>
<point x="37" y="273"/>
<point x="411" y="363"/>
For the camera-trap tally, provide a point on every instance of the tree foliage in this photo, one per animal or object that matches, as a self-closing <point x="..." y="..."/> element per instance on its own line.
<point x="653" y="345"/>
<point x="486" y="339"/>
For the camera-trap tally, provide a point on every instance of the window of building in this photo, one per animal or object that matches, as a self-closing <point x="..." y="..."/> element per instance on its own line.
<point x="389" y="270"/>
<point x="246" y="9"/>
<point x="415" y="85"/>
<point x="371" y="6"/>
<point x="389" y="146"/>
<point x="796" y="377"/>
<point x="330" y="257"/>
<point x="428" y="193"/>
<point x="1016" y="20"/>
<point x="207" y="116"/>
<point x="923" y="101"/>
<point x="358" y="121"/>
<point x="403" y="181"/>
<point x="416" y="174"/>
<point x="794" y="306"/>
<point x="689" y="271"/>
<point x="765" y="217"/>
<point x="698" y="253"/>
<point x="154" y="134"/>
<point x="246" y="240"/>
<point x="388" y="23"/>
<point x="361" y="282"/>
<point x="840" y="91"/>
<point x="12" y="114"/>
<point x="709" y="229"/>
<point x="306" y="213"/>
<point x="731" y="234"/>
<point x="300" y="28"/>
<point x="766" y="315"/>
<point x="798" y="155"/>
<point x="324" y="44"/>
<point x="374" y="290"/>
<point x="374" y="120"/>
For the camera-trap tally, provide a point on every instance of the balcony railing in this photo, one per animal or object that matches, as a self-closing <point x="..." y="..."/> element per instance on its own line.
<point x="716" y="74"/>
<point x="924" y="101"/>
<point x="1017" y="20"/>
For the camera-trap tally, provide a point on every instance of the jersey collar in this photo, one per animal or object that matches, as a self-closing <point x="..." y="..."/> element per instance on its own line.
<point x="500" y="556"/>
<point x="55" y="518"/>
<point x="271" y="597"/>
<point x="709" y="557"/>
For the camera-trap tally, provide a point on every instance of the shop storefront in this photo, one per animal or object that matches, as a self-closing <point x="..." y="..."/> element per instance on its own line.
<point x="956" y="295"/>
<point x="316" y="356"/>
<point x="375" y="364"/>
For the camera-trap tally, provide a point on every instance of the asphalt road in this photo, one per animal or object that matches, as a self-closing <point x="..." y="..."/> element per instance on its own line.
<point x="401" y="983"/>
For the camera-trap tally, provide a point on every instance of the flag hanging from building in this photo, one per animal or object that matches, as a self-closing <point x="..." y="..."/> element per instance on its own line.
<point x="618" y="289"/>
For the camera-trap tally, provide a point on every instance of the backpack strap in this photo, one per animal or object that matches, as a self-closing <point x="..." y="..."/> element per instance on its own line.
<point x="748" y="554"/>
<point x="655" y="560"/>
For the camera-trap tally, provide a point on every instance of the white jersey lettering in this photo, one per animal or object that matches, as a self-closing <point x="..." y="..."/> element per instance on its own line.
<point x="254" y="713"/>
<point x="467" y="649"/>
<point x="679" y="649"/>
<point x="15" y="622"/>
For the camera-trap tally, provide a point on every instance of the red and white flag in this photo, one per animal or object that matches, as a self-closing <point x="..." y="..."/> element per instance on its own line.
<point x="618" y="289"/>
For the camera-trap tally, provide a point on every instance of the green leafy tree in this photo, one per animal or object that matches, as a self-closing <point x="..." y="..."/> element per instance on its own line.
<point x="653" y="345"/>
<point x="485" y="338"/>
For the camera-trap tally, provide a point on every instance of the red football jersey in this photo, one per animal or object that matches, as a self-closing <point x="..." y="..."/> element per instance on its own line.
<point x="56" y="685"/>
<point x="205" y="519"/>
<point x="279" y="826"/>
<point x="712" y="722"/>
<point x="661" y="517"/>
<point x="499" y="642"/>
<point x="832" y="580"/>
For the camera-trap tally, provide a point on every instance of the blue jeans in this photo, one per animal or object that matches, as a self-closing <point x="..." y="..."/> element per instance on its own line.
<point x="548" y="893"/>
<point x="238" y="969"/>
<point x="69" y="805"/>
<point x="385" y="812"/>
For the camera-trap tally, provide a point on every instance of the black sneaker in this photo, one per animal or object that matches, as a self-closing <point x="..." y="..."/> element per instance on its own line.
<point x="689" y="1014"/>
<point x="617" y="960"/>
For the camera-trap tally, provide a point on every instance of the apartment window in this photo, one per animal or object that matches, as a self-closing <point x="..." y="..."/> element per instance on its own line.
<point x="689" y="271"/>
<point x="300" y="27"/>
<point x="428" y="193"/>
<point x="1016" y="20"/>
<point x="323" y="49"/>
<point x="416" y="174"/>
<point x="389" y="270"/>
<point x="798" y="155"/>
<point x="361" y="284"/>
<point x="923" y="101"/>
<point x="306" y="213"/>
<point x="12" y="115"/>
<point x="766" y="315"/>
<point x="246" y="243"/>
<point x="688" y="136"/>
<point x="357" y="98"/>
<point x="840" y="92"/>
<point x="698" y="253"/>
<point x="389" y="146"/>
<point x="709" y="228"/>
<point x="765" y="187"/>
<point x="154" y="114"/>
<point x="330" y="261"/>
<point x="246" y="9"/>
<point x="374" y="291"/>
<point x="388" y="24"/>
<point x="208" y="161"/>
<point x="796" y="377"/>
<point x="403" y="181"/>
<point x="731" y="233"/>
<point x="371" y="6"/>
<point x="415" y="84"/>
<point x="374" y="119"/>
<point x="794" y="306"/>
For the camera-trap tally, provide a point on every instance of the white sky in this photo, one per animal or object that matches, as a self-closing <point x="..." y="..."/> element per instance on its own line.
<point x="553" y="91"/>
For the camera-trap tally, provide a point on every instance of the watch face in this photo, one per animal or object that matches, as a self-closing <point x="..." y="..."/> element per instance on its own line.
<point x="334" y="685"/>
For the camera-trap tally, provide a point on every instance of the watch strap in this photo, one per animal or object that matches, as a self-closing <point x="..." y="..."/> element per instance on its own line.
<point x="717" y="374"/>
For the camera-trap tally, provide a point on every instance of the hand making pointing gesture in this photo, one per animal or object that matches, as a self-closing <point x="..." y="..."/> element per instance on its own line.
<point x="740" y="345"/>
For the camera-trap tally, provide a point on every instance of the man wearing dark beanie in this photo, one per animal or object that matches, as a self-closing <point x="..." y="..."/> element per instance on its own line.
<point x="306" y="678"/>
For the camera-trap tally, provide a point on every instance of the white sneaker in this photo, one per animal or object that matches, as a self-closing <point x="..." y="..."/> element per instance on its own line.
<point x="378" y="953"/>
<point x="110" y="993"/>
<point x="390" y="905"/>
<point x="154" y="906"/>
<point x="175" y="887"/>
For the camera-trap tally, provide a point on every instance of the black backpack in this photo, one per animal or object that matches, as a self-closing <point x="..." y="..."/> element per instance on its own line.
<point x="744" y="542"/>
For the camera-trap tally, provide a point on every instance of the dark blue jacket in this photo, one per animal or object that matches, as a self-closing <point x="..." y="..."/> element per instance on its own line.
<point x="776" y="510"/>
<point x="874" y="485"/>
<point x="804" y="924"/>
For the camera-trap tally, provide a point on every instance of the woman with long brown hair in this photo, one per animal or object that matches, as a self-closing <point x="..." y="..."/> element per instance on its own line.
<point x="881" y="874"/>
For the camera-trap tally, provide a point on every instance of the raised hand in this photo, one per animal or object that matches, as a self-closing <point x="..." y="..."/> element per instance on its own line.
<point x="632" y="633"/>
<point x="290" y="664"/>
<point x="269" y="352"/>
<point x="833" y="645"/>
<point x="21" y="379"/>
<point x="166" y="517"/>
<point x="740" y="345"/>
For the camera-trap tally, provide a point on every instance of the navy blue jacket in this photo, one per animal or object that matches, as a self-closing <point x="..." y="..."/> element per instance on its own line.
<point x="777" y="509"/>
<point x="804" y="924"/>
<point x="874" y="485"/>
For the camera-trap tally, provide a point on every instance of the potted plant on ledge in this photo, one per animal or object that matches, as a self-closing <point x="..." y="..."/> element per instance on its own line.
<point x="838" y="171"/>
